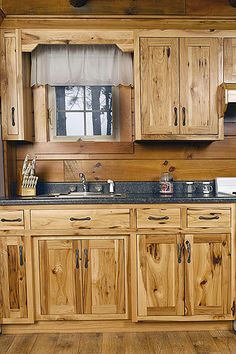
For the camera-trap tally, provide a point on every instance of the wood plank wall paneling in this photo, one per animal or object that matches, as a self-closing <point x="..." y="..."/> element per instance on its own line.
<point x="119" y="7"/>
<point x="195" y="160"/>
<point x="209" y="8"/>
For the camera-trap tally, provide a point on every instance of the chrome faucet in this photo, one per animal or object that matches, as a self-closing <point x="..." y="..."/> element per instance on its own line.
<point x="83" y="181"/>
<point x="111" y="185"/>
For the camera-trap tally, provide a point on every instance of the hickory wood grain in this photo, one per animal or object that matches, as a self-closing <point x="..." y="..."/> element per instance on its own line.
<point x="122" y="7"/>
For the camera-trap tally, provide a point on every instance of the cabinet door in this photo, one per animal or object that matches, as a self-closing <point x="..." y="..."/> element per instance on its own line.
<point x="208" y="275"/>
<point x="9" y="89"/>
<point x="17" y="117"/>
<point x="229" y="60"/>
<point x="13" y="278"/>
<point x="199" y="72"/>
<point x="104" y="276"/>
<point x="160" y="275"/>
<point x="59" y="278"/>
<point x="159" y="86"/>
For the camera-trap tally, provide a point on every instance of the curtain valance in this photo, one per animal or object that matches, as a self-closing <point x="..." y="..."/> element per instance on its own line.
<point x="65" y="65"/>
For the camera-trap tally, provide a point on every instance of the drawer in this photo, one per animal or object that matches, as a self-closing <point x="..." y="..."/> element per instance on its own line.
<point x="153" y="218"/>
<point x="80" y="219"/>
<point x="11" y="219"/>
<point x="208" y="217"/>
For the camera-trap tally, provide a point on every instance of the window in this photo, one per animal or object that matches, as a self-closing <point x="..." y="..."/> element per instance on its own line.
<point x="84" y="112"/>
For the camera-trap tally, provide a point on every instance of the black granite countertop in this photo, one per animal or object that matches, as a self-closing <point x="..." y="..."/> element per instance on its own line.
<point x="132" y="198"/>
<point x="131" y="193"/>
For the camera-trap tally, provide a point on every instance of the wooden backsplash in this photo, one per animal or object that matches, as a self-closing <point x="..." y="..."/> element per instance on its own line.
<point x="145" y="161"/>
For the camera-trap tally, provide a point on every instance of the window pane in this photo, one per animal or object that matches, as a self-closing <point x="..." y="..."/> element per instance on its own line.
<point x="70" y="124"/>
<point x="74" y="98"/>
<point x="89" y="124"/>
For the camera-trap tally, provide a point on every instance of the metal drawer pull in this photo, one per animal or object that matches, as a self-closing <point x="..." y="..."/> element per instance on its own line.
<point x="184" y="116"/>
<point x="11" y="220"/>
<point x="13" y="123"/>
<point x="21" y="255"/>
<point x="215" y="217"/>
<point x="77" y="259"/>
<point x="158" y="218"/>
<point x="189" y="251"/>
<point x="86" y="260"/>
<point x="80" y="219"/>
<point x="176" y="116"/>
<point x="180" y="250"/>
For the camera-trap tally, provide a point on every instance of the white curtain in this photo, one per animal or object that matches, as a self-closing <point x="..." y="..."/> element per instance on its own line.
<point x="64" y="65"/>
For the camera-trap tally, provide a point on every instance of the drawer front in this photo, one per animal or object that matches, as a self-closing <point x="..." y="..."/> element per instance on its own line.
<point x="80" y="219"/>
<point x="11" y="219"/>
<point x="208" y="217"/>
<point x="154" y="218"/>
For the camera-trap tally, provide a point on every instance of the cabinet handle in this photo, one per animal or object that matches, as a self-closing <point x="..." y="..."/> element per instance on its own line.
<point x="77" y="258"/>
<point x="158" y="218"/>
<point x="80" y="219"/>
<point x="21" y="255"/>
<point x="13" y="123"/>
<point x="86" y="260"/>
<point x="176" y="116"/>
<point x="188" y="244"/>
<point x="168" y="52"/>
<point x="215" y="217"/>
<point x="11" y="220"/>
<point x="184" y="115"/>
<point x="180" y="251"/>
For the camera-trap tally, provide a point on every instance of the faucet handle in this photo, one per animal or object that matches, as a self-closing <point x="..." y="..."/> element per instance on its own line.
<point x="111" y="185"/>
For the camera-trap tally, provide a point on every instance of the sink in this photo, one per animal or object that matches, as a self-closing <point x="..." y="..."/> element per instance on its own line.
<point x="75" y="195"/>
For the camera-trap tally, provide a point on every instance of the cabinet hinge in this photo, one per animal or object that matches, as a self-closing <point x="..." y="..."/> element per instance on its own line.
<point x="233" y="308"/>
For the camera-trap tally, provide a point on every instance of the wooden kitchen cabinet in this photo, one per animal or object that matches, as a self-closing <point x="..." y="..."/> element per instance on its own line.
<point x="17" y="111"/>
<point x="208" y="275"/>
<point x="160" y="275"/>
<point x="229" y="60"/>
<point x="16" y="283"/>
<point x="190" y="277"/>
<point x="81" y="278"/>
<point x="178" y="80"/>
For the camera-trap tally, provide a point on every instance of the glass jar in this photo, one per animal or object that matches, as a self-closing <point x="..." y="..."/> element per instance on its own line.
<point x="166" y="183"/>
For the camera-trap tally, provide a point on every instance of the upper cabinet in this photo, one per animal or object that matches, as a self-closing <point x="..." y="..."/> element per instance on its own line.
<point x="17" y="120"/>
<point x="176" y="89"/>
<point x="230" y="60"/>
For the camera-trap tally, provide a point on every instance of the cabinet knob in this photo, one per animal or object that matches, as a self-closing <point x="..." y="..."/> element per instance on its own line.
<point x="13" y="123"/>
<point x="86" y="260"/>
<point x="80" y="219"/>
<point x="188" y="245"/>
<point x="184" y="115"/>
<point x="155" y="218"/>
<point x="77" y="259"/>
<point x="21" y="255"/>
<point x="176" y="116"/>
<point x="11" y="220"/>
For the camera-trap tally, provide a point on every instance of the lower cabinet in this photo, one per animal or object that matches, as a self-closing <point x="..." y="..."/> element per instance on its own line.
<point x="16" y="299"/>
<point x="185" y="275"/>
<point x="81" y="277"/>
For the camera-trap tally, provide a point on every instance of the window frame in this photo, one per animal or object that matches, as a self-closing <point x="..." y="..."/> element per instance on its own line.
<point x="115" y="137"/>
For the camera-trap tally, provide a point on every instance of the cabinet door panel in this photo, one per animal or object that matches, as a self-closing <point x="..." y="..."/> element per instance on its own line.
<point x="60" y="277"/>
<point x="229" y="60"/>
<point x="160" y="275"/>
<point x="199" y="72"/>
<point x="13" y="278"/>
<point x="10" y="108"/>
<point x="104" y="281"/>
<point x="208" y="274"/>
<point x="159" y="86"/>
